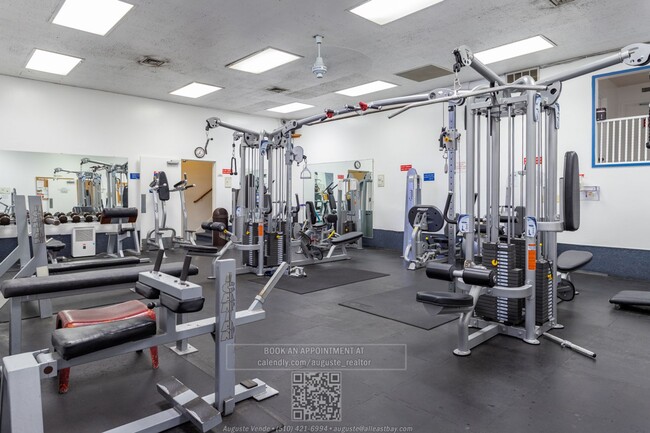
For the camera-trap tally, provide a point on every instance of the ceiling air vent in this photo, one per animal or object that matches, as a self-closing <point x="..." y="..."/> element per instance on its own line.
<point x="153" y="61"/>
<point x="645" y="89"/>
<point x="424" y="73"/>
<point x="276" y="89"/>
<point x="560" y="2"/>
<point x="514" y="76"/>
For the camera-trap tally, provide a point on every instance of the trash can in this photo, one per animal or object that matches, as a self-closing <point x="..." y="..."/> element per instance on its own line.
<point x="220" y="215"/>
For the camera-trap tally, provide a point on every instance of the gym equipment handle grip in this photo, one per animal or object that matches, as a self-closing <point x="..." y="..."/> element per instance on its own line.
<point x="210" y="226"/>
<point x="446" y="211"/>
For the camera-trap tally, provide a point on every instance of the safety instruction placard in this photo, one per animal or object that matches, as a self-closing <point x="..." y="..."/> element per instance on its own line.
<point x="429" y="177"/>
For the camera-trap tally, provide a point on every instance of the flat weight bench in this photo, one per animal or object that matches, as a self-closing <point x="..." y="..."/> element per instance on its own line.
<point x="80" y="332"/>
<point x="631" y="298"/>
<point x="568" y="262"/>
<point x="84" y="265"/>
<point x="21" y="290"/>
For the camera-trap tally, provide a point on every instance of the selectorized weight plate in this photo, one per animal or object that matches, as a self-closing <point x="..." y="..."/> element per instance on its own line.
<point x="435" y="221"/>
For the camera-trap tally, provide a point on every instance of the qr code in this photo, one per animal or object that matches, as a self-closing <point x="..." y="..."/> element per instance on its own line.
<point x="316" y="396"/>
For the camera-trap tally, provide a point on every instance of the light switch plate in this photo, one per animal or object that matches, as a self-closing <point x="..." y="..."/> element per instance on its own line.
<point x="380" y="181"/>
<point x="228" y="182"/>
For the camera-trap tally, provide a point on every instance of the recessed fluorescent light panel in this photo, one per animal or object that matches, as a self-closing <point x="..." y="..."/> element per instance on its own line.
<point x="52" y="63"/>
<point x="290" y="108"/>
<point x="386" y="11"/>
<point x="263" y="61"/>
<point x="514" y="49"/>
<point x="195" y="90"/>
<point x="364" y="89"/>
<point x="92" y="16"/>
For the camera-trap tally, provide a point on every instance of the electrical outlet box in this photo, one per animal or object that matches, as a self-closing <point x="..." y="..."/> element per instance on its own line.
<point x="5" y="190"/>
<point x="228" y="182"/>
<point x="380" y="181"/>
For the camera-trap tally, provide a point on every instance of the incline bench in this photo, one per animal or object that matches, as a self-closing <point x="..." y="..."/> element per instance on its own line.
<point x="21" y="290"/>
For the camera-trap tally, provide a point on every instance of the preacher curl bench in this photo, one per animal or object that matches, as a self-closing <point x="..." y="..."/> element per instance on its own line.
<point x="21" y="374"/>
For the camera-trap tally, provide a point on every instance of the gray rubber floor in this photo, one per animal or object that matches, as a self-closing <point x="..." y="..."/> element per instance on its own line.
<point x="504" y="386"/>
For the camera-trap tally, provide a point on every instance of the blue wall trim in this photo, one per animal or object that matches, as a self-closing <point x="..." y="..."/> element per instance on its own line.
<point x="386" y="239"/>
<point x="619" y="262"/>
<point x="101" y="242"/>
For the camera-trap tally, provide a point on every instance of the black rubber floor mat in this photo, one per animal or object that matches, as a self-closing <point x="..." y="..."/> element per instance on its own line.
<point x="399" y="305"/>
<point x="321" y="278"/>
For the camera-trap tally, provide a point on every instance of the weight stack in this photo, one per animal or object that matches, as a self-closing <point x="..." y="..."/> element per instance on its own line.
<point x="250" y="238"/>
<point x="520" y="254"/>
<point x="502" y="310"/>
<point x="543" y="292"/>
<point x="274" y="253"/>
<point x="501" y="257"/>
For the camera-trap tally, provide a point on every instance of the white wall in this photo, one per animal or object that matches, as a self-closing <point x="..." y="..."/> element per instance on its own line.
<point x="45" y="117"/>
<point x="42" y="117"/>
<point x="411" y="138"/>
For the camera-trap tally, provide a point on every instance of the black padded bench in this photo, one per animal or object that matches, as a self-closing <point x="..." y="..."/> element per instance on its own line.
<point x="631" y="298"/>
<point x="206" y="250"/>
<point x="447" y="300"/>
<point x="82" y="265"/>
<point x="570" y="261"/>
<point x="74" y="342"/>
<point x="20" y="290"/>
<point x="347" y="238"/>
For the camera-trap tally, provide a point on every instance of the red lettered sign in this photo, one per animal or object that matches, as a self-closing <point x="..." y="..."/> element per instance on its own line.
<point x="405" y="167"/>
<point x="340" y="177"/>
<point x="226" y="171"/>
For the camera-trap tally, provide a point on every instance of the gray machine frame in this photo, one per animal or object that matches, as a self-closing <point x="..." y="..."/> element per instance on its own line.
<point x="267" y="158"/>
<point x="95" y="199"/>
<point x="31" y="251"/>
<point x="112" y="173"/>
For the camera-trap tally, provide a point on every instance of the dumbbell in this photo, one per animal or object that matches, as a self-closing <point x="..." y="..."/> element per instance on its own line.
<point x="89" y="217"/>
<point x="471" y="276"/>
<point x="63" y="218"/>
<point x="5" y="219"/>
<point x="75" y="218"/>
<point x="49" y="219"/>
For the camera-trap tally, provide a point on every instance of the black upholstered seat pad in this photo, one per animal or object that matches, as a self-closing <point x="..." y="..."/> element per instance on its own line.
<point x="571" y="260"/>
<point x="73" y="342"/>
<point x="201" y="249"/>
<point x="83" y="280"/>
<point x="346" y="238"/>
<point x="54" y="245"/>
<point x="631" y="297"/>
<point x="445" y="299"/>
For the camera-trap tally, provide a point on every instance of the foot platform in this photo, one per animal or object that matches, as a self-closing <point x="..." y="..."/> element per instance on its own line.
<point x="199" y="412"/>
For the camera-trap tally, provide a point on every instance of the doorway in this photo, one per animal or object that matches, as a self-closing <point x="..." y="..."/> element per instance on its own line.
<point x="198" y="199"/>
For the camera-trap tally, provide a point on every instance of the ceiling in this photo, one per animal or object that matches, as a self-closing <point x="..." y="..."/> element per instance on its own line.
<point x="200" y="37"/>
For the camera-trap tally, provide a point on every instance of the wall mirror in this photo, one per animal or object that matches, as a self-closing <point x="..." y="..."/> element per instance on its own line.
<point x="344" y="188"/>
